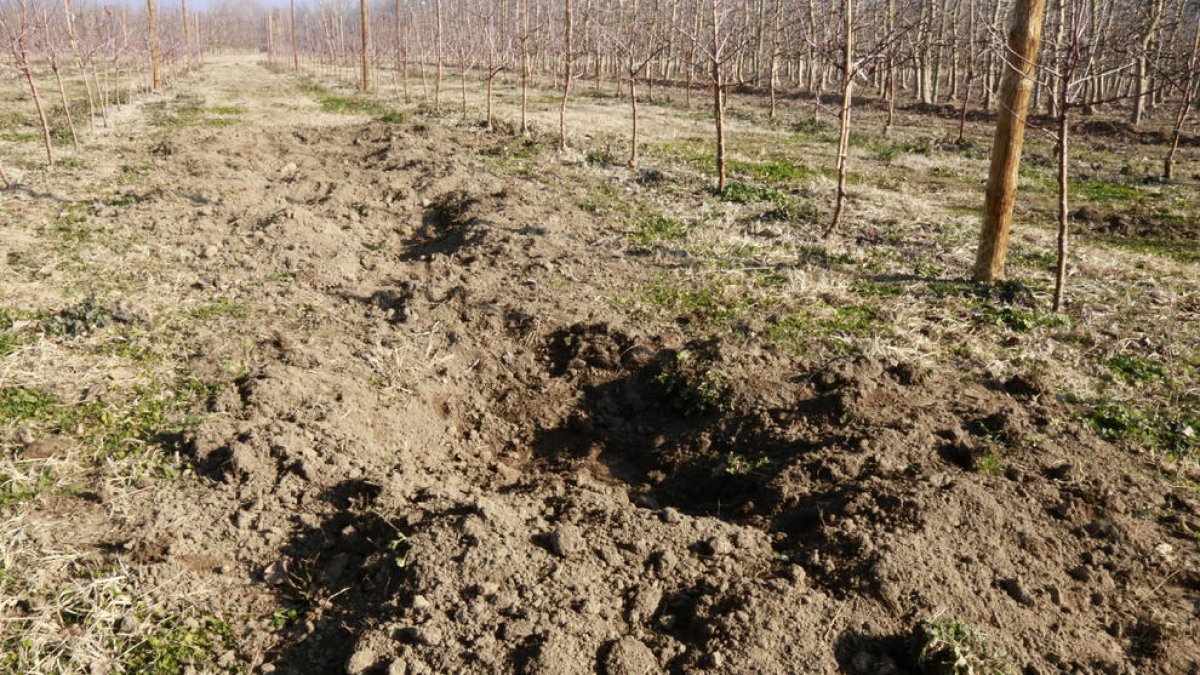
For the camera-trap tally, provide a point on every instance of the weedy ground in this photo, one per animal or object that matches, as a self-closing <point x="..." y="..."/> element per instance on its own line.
<point x="268" y="347"/>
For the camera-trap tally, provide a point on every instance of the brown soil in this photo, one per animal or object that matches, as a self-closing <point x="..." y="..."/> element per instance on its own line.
<point x="1137" y="226"/>
<point x="451" y="458"/>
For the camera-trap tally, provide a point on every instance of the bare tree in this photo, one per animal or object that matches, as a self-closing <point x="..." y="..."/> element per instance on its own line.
<point x="1188" y="83"/>
<point x="19" y="29"/>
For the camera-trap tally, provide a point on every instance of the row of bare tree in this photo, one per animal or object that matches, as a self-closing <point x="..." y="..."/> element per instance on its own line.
<point x="112" y="51"/>
<point x="1044" y="59"/>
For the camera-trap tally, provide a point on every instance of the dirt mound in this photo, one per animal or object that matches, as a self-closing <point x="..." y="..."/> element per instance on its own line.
<point x="1137" y="226"/>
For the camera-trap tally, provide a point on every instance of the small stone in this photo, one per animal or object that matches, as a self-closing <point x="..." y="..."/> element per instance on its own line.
<point x="645" y="603"/>
<point x="210" y="251"/>
<point x="424" y="635"/>
<point x="719" y="545"/>
<point x="1165" y="551"/>
<point x="420" y="602"/>
<point x="628" y="656"/>
<point x="289" y="167"/>
<point x="1060" y="470"/>
<point x="397" y="667"/>
<point x="567" y="541"/>
<point x="1017" y="590"/>
<point x="717" y="659"/>
<point x="361" y="661"/>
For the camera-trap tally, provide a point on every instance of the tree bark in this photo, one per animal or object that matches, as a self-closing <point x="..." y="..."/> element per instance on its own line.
<point x="1185" y="106"/>
<point x="155" y="69"/>
<point x="847" y="99"/>
<point x="365" y="20"/>
<point x="568" y="61"/>
<point x="1024" y="38"/>
<point x="295" y="51"/>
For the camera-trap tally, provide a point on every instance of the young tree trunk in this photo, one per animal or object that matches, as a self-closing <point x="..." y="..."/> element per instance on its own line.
<point x="568" y="60"/>
<point x="773" y="67"/>
<point x="847" y="99"/>
<point x="437" y="80"/>
<point x="27" y="71"/>
<point x="1141" y="77"/>
<point x="1185" y="106"/>
<point x="966" y="102"/>
<point x="155" y="68"/>
<point x="633" y="110"/>
<point x="401" y="56"/>
<point x="1024" y="38"/>
<point x="62" y="93"/>
<point x="890" y="25"/>
<point x="187" y="36"/>
<point x="990" y="78"/>
<point x="718" y="95"/>
<point x="295" y="51"/>
<point x="1060" y="275"/>
<point x="490" y="86"/>
<point x="87" y="84"/>
<point x="365" y="21"/>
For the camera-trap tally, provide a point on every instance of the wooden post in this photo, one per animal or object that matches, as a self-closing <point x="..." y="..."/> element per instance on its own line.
<point x="156" y="76"/>
<point x="365" y="15"/>
<point x="1024" y="37"/>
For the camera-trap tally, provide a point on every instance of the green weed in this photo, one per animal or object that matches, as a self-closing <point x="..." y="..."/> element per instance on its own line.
<point x="698" y="391"/>
<point x="1132" y="369"/>
<point x="955" y="648"/>
<point x="651" y="227"/>
<point x="1016" y="318"/>
<point x="744" y="193"/>
<point x="1173" y="432"/>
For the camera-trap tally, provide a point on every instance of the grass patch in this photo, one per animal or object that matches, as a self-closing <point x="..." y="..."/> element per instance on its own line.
<point x="1016" y="318"/>
<point x="357" y="105"/>
<point x="1106" y="193"/>
<point x="1131" y="369"/>
<point x="705" y="304"/>
<point x="1173" y="432"/>
<point x="221" y="307"/>
<point x="649" y="228"/>
<point x="743" y="193"/>
<point x="992" y="464"/>
<point x="800" y="329"/>
<point x="1180" y="250"/>
<point x="126" y="427"/>
<point x="777" y="172"/>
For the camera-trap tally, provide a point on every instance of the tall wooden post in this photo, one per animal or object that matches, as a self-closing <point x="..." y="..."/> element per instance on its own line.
<point x="366" y="44"/>
<point x="1020" y="61"/>
<point x="156" y="75"/>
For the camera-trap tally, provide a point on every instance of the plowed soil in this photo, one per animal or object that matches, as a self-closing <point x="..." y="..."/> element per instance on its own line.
<point x="442" y="451"/>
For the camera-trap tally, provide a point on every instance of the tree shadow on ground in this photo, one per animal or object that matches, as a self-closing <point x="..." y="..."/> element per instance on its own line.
<point x="336" y="579"/>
